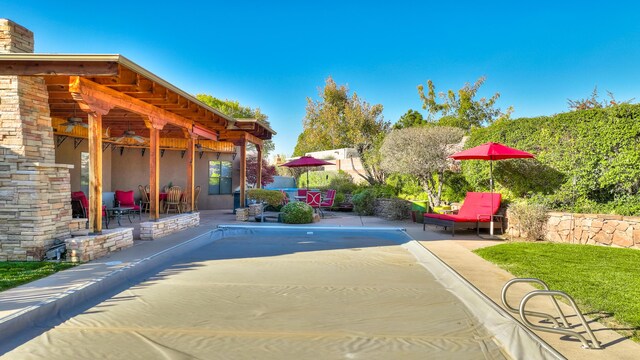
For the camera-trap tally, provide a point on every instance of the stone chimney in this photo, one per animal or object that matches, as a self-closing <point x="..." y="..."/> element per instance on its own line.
<point x="14" y="38"/>
<point x="35" y="204"/>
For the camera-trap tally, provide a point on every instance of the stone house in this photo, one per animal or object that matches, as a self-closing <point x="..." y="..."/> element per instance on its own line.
<point x="100" y="123"/>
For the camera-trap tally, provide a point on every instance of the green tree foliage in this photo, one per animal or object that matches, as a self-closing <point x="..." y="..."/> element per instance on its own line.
<point x="422" y="152"/>
<point x="234" y="109"/>
<point x="461" y="109"/>
<point x="339" y="120"/>
<point x="409" y="119"/>
<point x="586" y="161"/>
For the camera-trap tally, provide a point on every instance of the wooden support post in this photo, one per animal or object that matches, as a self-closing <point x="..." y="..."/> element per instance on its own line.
<point x="154" y="126"/>
<point x="95" y="173"/>
<point x="95" y="109"/>
<point x="191" y="149"/>
<point x="259" y="174"/>
<point x="243" y="171"/>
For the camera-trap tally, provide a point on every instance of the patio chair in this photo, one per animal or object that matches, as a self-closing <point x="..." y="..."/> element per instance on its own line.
<point x="327" y="202"/>
<point x="80" y="207"/>
<point x="313" y="199"/>
<point x="184" y="203"/>
<point x="144" y="199"/>
<point x="302" y="192"/>
<point x="195" y="197"/>
<point x="173" y="199"/>
<point x="477" y="211"/>
<point x="125" y="199"/>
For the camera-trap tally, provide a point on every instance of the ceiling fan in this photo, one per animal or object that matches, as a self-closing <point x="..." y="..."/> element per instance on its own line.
<point x="129" y="137"/>
<point x="74" y="121"/>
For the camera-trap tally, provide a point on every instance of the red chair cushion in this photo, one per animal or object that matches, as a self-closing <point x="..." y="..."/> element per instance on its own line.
<point x="475" y="203"/>
<point x="313" y="198"/>
<point x="125" y="198"/>
<point x="80" y="196"/>
<point x="328" y="201"/>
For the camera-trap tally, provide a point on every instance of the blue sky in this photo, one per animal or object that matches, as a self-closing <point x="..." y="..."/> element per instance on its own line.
<point x="275" y="54"/>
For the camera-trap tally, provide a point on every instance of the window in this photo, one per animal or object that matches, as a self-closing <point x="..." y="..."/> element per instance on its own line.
<point x="219" y="177"/>
<point x="84" y="172"/>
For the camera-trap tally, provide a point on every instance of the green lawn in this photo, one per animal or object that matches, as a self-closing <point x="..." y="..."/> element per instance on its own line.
<point x="14" y="273"/>
<point x="600" y="279"/>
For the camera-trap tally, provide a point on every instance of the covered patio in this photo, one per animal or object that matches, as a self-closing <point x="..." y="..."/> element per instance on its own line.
<point x="102" y="123"/>
<point x="118" y="98"/>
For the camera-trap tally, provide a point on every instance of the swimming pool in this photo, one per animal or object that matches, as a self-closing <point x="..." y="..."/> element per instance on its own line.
<point x="303" y="292"/>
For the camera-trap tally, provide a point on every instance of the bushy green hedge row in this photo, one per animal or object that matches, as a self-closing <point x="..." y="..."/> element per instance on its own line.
<point x="586" y="161"/>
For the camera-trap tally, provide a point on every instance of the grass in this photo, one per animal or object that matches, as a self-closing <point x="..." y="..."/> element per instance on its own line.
<point x="15" y="273"/>
<point x="600" y="279"/>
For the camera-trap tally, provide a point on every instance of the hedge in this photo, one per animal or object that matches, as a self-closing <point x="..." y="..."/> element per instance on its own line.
<point x="586" y="161"/>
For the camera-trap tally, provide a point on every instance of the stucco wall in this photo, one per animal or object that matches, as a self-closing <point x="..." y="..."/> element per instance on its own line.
<point x="132" y="169"/>
<point x="66" y="154"/>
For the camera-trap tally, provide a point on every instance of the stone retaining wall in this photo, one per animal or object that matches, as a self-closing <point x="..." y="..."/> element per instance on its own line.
<point x="152" y="230"/>
<point x="594" y="229"/>
<point x="91" y="247"/>
<point x="392" y="209"/>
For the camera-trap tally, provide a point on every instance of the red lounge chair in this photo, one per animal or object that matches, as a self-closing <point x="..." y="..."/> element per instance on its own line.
<point x="476" y="212"/>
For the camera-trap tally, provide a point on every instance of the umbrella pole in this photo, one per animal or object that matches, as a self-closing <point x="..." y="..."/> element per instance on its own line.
<point x="491" y="186"/>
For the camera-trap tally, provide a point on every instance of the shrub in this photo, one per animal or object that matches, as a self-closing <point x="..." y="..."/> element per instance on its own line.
<point x="342" y="183"/>
<point x="297" y="213"/>
<point x="271" y="197"/>
<point x="531" y="219"/>
<point x="364" y="202"/>
<point x="339" y="180"/>
<point x="339" y="199"/>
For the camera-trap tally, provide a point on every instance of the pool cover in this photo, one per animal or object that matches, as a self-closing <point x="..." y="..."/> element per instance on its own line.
<point x="303" y="293"/>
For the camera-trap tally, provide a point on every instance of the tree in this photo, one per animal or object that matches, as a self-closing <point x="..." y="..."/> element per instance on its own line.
<point x="594" y="103"/>
<point x="409" y="119"/>
<point x="268" y="171"/>
<point x="340" y="120"/>
<point x="234" y="109"/>
<point x="422" y="152"/>
<point x="461" y="110"/>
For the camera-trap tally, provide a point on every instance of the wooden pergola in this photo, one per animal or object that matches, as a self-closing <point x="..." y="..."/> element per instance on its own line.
<point x="112" y="92"/>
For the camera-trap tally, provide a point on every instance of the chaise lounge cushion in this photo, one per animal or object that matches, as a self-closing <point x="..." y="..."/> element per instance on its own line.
<point x="475" y="203"/>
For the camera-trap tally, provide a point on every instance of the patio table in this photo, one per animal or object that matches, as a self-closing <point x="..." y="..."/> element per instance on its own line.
<point x="117" y="212"/>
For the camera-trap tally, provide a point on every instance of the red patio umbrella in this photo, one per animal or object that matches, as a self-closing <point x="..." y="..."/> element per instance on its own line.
<point x="306" y="161"/>
<point x="491" y="151"/>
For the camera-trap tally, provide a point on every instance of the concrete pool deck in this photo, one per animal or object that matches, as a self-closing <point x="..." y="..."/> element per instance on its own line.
<point x="456" y="252"/>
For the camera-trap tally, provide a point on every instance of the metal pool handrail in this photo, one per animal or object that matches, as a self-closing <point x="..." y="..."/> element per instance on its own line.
<point x="558" y="329"/>
<point x="534" y="313"/>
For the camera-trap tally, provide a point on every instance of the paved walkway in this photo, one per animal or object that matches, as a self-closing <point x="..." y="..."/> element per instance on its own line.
<point x="456" y="252"/>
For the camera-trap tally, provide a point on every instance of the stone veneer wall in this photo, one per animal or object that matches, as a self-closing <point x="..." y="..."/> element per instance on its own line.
<point x="391" y="209"/>
<point x="152" y="230"/>
<point x="34" y="191"/>
<point x="91" y="247"/>
<point x="594" y="229"/>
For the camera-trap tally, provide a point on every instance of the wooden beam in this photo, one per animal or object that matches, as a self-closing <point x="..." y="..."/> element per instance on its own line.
<point x="259" y="174"/>
<point x="83" y="86"/>
<point x="44" y="68"/>
<point x="205" y="133"/>
<point x="95" y="172"/>
<point x="240" y="135"/>
<point x="243" y="172"/>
